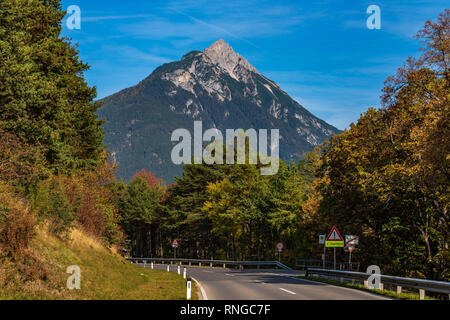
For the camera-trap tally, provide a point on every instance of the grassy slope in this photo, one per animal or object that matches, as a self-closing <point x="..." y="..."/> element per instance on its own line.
<point x="104" y="274"/>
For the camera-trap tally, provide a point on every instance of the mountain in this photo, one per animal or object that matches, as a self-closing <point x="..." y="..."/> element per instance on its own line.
<point x="217" y="86"/>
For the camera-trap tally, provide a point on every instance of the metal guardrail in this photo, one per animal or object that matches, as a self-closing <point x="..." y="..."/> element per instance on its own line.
<point x="311" y="263"/>
<point x="399" y="282"/>
<point x="211" y="262"/>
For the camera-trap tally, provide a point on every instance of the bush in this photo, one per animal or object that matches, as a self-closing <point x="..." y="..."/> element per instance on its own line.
<point x="17" y="225"/>
<point x="51" y="203"/>
<point x="87" y="197"/>
<point x="16" y="231"/>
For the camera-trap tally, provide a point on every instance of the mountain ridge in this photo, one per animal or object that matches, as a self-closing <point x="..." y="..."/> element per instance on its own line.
<point x="216" y="86"/>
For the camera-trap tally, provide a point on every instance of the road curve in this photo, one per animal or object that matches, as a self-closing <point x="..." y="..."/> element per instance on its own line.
<point x="232" y="284"/>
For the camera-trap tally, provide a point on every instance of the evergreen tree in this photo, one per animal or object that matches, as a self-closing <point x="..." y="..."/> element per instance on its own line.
<point x="44" y="99"/>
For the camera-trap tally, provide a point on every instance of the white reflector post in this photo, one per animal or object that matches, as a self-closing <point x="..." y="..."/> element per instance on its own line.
<point x="188" y="290"/>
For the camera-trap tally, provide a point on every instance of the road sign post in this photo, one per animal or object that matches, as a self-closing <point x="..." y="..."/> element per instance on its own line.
<point x="174" y="246"/>
<point x="322" y="238"/>
<point x="280" y="247"/>
<point x="334" y="240"/>
<point x="351" y="241"/>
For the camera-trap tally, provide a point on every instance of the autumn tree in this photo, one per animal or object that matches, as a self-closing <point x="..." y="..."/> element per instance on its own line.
<point x="387" y="177"/>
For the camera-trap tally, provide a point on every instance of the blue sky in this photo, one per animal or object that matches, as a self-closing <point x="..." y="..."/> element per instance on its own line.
<point x="320" y="52"/>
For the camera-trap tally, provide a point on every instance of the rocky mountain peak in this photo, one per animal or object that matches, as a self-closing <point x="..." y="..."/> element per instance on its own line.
<point x="222" y="54"/>
<point x="218" y="87"/>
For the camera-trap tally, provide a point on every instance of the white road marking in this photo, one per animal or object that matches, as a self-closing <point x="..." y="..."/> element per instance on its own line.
<point x="287" y="291"/>
<point x="231" y="275"/>
<point x="204" y="296"/>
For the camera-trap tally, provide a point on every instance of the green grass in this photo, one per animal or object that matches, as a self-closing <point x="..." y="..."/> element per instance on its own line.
<point x="388" y="293"/>
<point x="105" y="275"/>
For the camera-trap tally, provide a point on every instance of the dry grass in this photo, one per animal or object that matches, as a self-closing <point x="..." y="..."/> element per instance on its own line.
<point x="104" y="274"/>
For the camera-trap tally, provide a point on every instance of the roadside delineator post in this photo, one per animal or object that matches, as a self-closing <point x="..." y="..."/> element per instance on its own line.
<point x="422" y="294"/>
<point x="188" y="290"/>
<point x="179" y="270"/>
<point x="184" y="273"/>
<point x="151" y="265"/>
<point x="168" y="268"/>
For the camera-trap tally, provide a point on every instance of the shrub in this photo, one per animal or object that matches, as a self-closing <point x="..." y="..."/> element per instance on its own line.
<point x="17" y="225"/>
<point x="16" y="231"/>
<point x="51" y="203"/>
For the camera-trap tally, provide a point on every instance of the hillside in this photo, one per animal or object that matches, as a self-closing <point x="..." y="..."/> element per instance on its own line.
<point x="218" y="87"/>
<point x="104" y="274"/>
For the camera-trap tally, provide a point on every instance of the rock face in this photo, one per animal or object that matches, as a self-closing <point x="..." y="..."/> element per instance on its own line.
<point x="216" y="86"/>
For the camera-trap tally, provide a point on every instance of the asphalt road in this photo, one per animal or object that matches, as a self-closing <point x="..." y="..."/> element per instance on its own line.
<point x="232" y="284"/>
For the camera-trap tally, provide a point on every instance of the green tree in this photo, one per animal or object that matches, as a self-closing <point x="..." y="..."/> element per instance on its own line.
<point x="44" y="98"/>
<point x="140" y="214"/>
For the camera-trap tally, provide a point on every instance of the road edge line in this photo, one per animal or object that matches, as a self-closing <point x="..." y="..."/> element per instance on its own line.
<point x="368" y="293"/>
<point x="204" y="296"/>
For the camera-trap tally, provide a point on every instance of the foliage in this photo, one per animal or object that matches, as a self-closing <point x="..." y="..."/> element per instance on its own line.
<point x="44" y="99"/>
<point x="220" y="211"/>
<point x="140" y="209"/>
<point x="17" y="224"/>
<point x="387" y="177"/>
<point x="51" y="203"/>
<point x="21" y="164"/>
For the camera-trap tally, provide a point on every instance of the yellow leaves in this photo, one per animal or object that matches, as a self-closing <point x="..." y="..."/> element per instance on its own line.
<point x="215" y="188"/>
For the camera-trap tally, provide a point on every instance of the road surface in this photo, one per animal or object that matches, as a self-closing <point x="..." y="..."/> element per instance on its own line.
<point x="233" y="284"/>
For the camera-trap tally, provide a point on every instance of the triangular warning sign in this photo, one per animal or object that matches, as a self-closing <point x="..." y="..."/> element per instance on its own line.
<point x="175" y="243"/>
<point x="334" y="235"/>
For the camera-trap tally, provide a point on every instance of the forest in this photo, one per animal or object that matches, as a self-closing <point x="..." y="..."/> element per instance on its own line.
<point x="385" y="179"/>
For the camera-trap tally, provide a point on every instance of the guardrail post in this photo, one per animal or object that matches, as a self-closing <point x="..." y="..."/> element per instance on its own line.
<point x="199" y="264"/>
<point x="224" y="266"/>
<point x="422" y="285"/>
<point x="211" y="264"/>
<point x="189" y="263"/>
<point x="421" y="294"/>
<point x="188" y="290"/>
